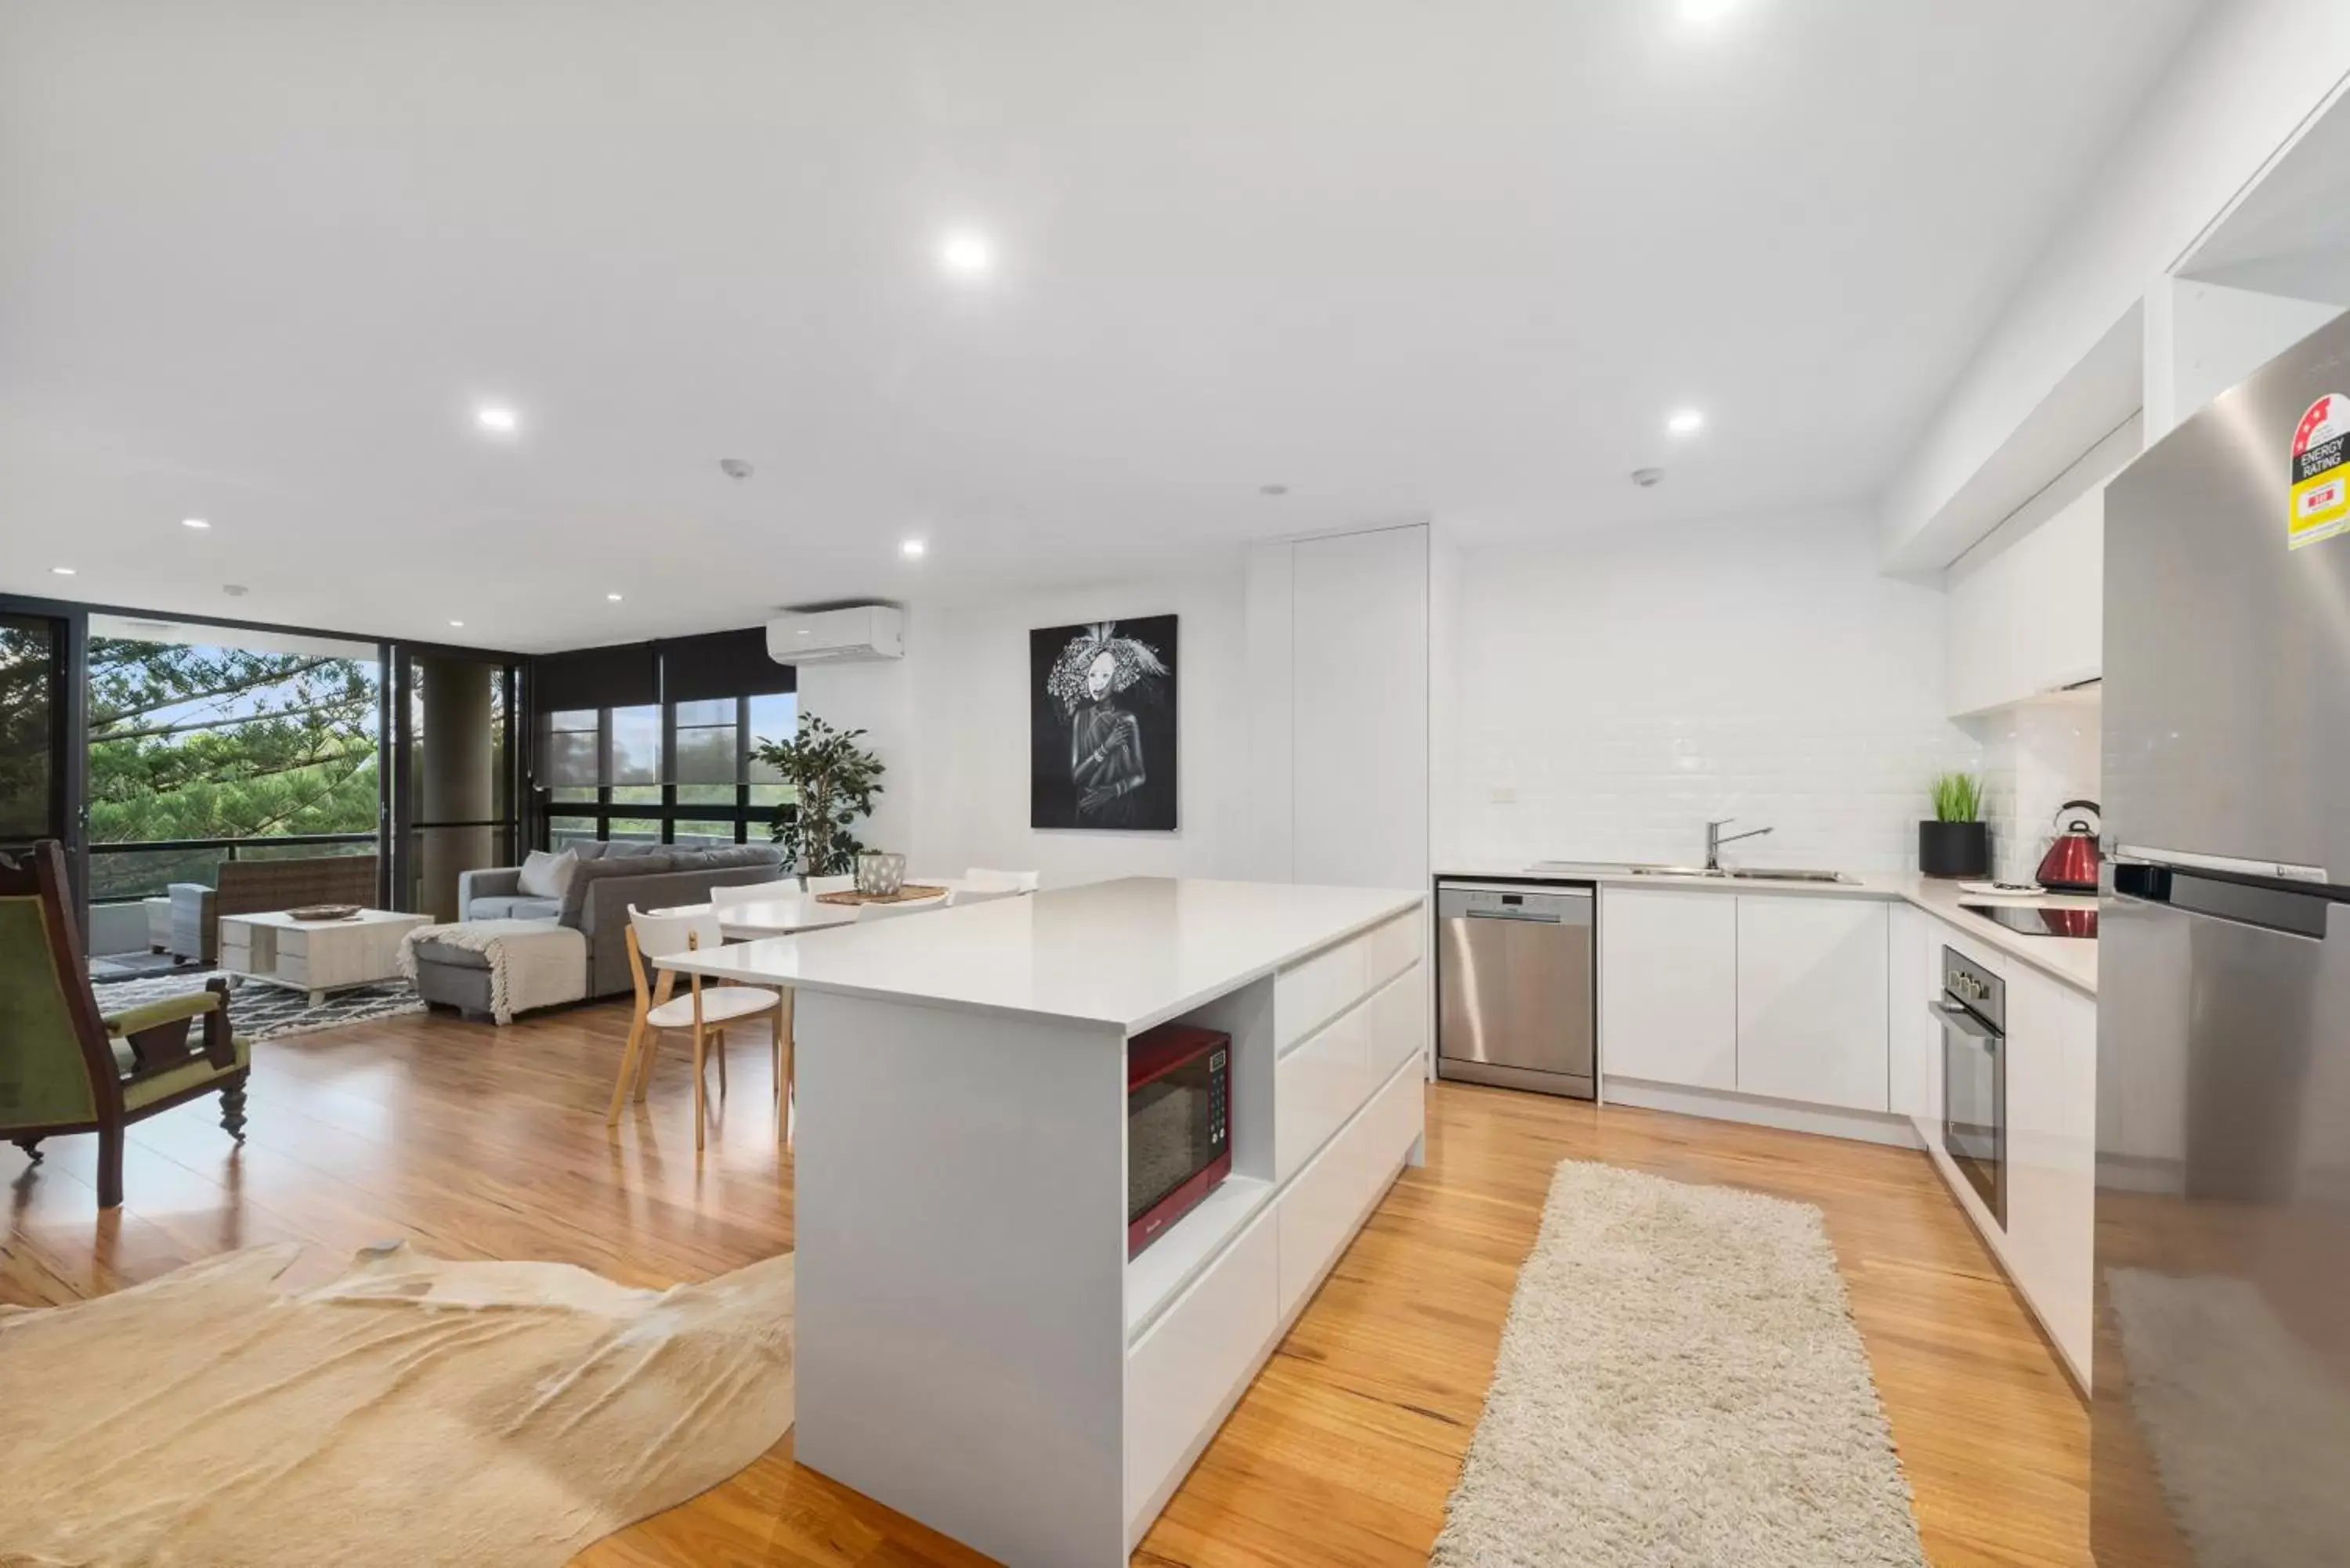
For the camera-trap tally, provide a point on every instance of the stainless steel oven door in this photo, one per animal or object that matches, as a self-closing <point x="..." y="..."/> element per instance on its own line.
<point x="1974" y="1103"/>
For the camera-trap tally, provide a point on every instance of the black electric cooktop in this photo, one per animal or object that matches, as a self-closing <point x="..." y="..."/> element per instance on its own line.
<point x="2039" y="922"/>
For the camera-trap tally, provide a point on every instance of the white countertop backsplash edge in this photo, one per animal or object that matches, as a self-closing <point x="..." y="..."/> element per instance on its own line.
<point x="2070" y="960"/>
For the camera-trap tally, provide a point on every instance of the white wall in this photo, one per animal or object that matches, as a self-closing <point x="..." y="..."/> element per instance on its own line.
<point x="2243" y="84"/>
<point x="876" y="697"/>
<point x="1617" y="691"/>
<point x="969" y="719"/>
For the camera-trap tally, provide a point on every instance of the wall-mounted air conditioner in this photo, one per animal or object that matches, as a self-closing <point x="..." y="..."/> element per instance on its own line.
<point x="835" y="636"/>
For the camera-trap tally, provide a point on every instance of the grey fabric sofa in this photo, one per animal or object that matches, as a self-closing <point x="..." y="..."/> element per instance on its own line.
<point x="497" y="894"/>
<point x="596" y="905"/>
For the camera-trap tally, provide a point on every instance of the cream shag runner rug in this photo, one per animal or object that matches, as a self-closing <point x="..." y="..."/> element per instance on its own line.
<point x="1679" y="1383"/>
<point x="413" y="1412"/>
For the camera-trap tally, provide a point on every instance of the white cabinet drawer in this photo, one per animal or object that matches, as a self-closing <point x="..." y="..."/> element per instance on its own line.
<point x="1180" y="1376"/>
<point x="1398" y="1022"/>
<point x="1319" y="1210"/>
<point x="1317" y="1087"/>
<point x="1310" y="993"/>
<point x="1393" y="948"/>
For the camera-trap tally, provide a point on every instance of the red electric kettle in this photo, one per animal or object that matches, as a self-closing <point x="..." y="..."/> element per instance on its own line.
<point x="2071" y="864"/>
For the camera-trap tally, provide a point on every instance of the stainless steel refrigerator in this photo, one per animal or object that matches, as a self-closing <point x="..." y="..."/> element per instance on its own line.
<point x="2222" y="1369"/>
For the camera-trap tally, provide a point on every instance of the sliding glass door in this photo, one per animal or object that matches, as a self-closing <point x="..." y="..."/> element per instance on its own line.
<point x="40" y="762"/>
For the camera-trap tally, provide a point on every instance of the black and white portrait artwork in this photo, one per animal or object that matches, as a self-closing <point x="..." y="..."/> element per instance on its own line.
<point x="1102" y="725"/>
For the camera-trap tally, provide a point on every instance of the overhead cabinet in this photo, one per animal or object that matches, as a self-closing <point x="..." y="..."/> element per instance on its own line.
<point x="2030" y="620"/>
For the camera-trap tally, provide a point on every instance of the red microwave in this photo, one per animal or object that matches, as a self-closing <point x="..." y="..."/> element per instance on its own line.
<point x="1179" y="1142"/>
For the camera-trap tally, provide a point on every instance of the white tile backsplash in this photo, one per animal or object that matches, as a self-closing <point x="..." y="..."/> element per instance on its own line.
<point x="1617" y="692"/>
<point x="2036" y="757"/>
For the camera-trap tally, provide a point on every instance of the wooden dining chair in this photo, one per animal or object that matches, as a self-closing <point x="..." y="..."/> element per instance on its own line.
<point x="706" y="1008"/>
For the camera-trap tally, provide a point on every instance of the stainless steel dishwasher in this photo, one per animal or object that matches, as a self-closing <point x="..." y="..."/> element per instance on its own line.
<point x="1515" y="967"/>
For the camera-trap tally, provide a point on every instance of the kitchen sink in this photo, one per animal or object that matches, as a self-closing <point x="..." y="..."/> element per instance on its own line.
<point x="1773" y="874"/>
<point x="1749" y="874"/>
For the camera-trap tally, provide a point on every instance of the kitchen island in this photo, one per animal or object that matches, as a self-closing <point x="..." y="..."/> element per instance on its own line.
<point x="974" y="1347"/>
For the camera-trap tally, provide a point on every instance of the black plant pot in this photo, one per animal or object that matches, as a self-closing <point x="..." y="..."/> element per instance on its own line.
<point x="1954" y="848"/>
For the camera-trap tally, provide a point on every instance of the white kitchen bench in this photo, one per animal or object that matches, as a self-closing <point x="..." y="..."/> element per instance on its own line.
<point x="974" y="1347"/>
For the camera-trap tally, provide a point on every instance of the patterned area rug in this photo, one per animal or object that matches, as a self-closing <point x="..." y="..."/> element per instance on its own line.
<point x="261" y="1012"/>
<point x="1679" y="1383"/>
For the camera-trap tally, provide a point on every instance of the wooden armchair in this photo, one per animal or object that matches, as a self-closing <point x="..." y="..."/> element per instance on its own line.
<point x="64" y="1067"/>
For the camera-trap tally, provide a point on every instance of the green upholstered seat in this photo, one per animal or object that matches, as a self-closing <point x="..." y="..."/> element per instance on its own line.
<point x="64" y="1067"/>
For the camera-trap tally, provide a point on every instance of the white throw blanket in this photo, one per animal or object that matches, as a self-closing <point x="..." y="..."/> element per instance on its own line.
<point x="532" y="963"/>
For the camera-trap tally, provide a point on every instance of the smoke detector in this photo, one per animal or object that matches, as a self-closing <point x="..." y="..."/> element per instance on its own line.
<point x="733" y="468"/>
<point x="1648" y="478"/>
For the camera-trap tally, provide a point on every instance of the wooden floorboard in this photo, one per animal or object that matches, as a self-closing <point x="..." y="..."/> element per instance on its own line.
<point x="475" y="1142"/>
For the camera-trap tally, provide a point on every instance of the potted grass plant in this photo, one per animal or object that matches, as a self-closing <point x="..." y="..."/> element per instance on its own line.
<point x="1957" y="842"/>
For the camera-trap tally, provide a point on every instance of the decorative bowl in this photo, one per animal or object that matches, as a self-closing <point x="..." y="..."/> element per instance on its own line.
<point x="324" y="912"/>
<point x="880" y="875"/>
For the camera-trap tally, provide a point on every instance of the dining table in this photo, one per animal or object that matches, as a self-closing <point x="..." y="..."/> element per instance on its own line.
<point x="796" y="912"/>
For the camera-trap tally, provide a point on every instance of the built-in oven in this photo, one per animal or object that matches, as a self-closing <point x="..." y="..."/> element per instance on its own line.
<point x="1972" y="1010"/>
<point x="1179" y="1126"/>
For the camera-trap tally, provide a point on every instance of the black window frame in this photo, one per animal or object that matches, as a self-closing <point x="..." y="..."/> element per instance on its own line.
<point x="741" y="814"/>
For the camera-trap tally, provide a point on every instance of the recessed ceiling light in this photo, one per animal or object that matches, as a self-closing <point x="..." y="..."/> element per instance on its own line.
<point x="497" y="418"/>
<point x="1686" y="422"/>
<point x="1273" y="489"/>
<point x="63" y="571"/>
<point x="966" y="252"/>
<point x="1705" y="13"/>
<point x="456" y="623"/>
<point x="193" y="522"/>
<point x="613" y="598"/>
<point x="913" y="549"/>
<point x="1648" y="478"/>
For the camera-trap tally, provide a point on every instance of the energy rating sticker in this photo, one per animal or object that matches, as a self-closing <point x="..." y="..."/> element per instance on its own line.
<point x="2321" y="473"/>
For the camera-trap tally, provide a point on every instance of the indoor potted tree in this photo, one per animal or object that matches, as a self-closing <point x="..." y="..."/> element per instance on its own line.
<point x="834" y="780"/>
<point x="1956" y="843"/>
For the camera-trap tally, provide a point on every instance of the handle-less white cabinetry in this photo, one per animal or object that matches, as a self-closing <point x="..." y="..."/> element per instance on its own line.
<point x="1356" y="732"/>
<point x="1669" y="986"/>
<point x="2052" y="1136"/>
<point x="1811" y="1000"/>
<point x="1914" y="1043"/>
<point x="1349" y="1028"/>
<point x="2047" y="1245"/>
<point x="2030" y="620"/>
<point x="1781" y="997"/>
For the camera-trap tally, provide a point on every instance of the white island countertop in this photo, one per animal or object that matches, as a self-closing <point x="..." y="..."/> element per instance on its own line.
<point x="1131" y="953"/>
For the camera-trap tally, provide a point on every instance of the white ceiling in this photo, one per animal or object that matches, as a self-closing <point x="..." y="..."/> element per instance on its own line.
<point x="258" y="263"/>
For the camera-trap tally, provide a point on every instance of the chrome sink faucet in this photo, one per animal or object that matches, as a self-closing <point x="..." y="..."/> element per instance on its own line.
<point x="1714" y="840"/>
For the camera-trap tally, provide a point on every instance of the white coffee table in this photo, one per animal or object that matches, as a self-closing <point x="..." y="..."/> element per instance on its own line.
<point x="316" y="956"/>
